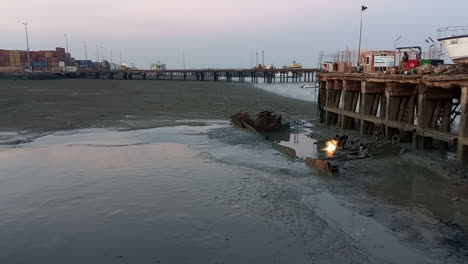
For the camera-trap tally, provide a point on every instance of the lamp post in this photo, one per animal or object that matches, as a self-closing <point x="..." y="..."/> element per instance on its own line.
<point x="27" y="45"/>
<point x="183" y="58"/>
<point x="86" y="54"/>
<point x="363" y="8"/>
<point x="102" y="53"/>
<point x="433" y="47"/>
<point x="396" y="40"/>
<point x="97" y="56"/>
<point x="66" y="41"/>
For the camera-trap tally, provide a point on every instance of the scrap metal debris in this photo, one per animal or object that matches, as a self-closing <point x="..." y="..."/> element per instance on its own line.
<point x="446" y="69"/>
<point x="322" y="165"/>
<point x="265" y="121"/>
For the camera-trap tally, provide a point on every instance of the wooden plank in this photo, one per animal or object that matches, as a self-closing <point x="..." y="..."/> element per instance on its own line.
<point x="436" y="134"/>
<point x="373" y="87"/>
<point x="352" y="85"/>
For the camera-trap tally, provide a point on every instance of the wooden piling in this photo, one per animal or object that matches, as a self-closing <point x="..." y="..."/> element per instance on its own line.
<point x="462" y="146"/>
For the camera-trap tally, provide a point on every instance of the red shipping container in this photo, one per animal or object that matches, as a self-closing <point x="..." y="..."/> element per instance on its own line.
<point x="5" y="59"/>
<point x="412" y="64"/>
<point x="60" y="52"/>
<point x="4" y="52"/>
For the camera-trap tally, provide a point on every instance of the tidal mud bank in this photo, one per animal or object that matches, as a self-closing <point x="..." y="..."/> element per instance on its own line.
<point x="98" y="165"/>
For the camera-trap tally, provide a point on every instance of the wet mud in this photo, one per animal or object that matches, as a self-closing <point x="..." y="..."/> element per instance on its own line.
<point x="97" y="171"/>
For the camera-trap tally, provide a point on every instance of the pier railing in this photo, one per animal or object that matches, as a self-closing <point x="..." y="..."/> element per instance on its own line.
<point x="447" y="32"/>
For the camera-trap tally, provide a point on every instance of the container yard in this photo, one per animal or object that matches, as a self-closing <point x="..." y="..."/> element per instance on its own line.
<point x="55" y="61"/>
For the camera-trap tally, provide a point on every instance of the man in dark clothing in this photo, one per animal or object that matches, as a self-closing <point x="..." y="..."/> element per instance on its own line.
<point x="341" y="141"/>
<point x="404" y="62"/>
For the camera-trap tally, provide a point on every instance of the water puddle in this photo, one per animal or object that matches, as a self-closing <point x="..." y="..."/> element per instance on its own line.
<point x="298" y="139"/>
<point x="377" y="240"/>
<point x="421" y="190"/>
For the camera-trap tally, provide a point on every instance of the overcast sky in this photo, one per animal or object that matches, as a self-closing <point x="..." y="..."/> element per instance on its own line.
<point x="222" y="33"/>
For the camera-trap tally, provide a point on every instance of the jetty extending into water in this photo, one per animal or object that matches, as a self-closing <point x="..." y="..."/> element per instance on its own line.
<point x="229" y="75"/>
<point x="425" y="108"/>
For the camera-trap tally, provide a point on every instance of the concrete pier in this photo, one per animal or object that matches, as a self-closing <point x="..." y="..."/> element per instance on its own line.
<point x="424" y="108"/>
<point x="268" y="76"/>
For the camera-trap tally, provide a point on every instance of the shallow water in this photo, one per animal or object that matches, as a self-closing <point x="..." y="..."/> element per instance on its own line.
<point x="183" y="194"/>
<point x="291" y="90"/>
<point x="131" y="197"/>
<point x="422" y="190"/>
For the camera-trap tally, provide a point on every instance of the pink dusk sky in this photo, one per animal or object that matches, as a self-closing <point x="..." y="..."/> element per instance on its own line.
<point x="221" y="33"/>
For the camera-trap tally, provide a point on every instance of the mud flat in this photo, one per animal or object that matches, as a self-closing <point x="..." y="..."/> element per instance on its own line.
<point x="50" y="105"/>
<point x="138" y="171"/>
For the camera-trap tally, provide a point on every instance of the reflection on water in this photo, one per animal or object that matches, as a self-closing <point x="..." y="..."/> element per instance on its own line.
<point x="89" y="198"/>
<point x="304" y="145"/>
<point x="421" y="189"/>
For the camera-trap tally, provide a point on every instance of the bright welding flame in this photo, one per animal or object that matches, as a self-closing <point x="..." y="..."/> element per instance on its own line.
<point x="332" y="144"/>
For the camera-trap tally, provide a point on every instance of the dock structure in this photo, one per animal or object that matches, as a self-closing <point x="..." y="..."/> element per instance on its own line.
<point x="425" y="108"/>
<point x="228" y="75"/>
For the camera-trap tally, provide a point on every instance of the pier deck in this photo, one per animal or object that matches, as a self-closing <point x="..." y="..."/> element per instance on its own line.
<point x="241" y="75"/>
<point x="425" y="107"/>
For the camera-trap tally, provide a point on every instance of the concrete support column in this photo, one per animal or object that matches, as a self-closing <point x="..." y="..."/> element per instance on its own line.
<point x="371" y="97"/>
<point x="365" y="109"/>
<point x="329" y="98"/>
<point x="462" y="149"/>
<point x="425" y="113"/>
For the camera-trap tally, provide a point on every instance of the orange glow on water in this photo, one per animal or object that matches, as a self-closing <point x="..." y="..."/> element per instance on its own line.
<point x="331" y="146"/>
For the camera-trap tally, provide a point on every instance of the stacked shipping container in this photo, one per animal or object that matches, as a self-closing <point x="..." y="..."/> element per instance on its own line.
<point x="44" y="60"/>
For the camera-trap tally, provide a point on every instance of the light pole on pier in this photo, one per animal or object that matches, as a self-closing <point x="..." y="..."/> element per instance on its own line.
<point x="102" y="53"/>
<point x="396" y="40"/>
<point x="256" y="59"/>
<point x="251" y="58"/>
<point x="183" y="58"/>
<point x="120" y="59"/>
<point x="86" y="54"/>
<point x="111" y="57"/>
<point x="66" y="41"/>
<point x="363" y="8"/>
<point x="86" y="50"/>
<point x="97" y="56"/>
<point x="27" y="45"/>
<point x="263" y="57"/>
